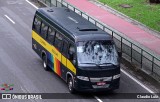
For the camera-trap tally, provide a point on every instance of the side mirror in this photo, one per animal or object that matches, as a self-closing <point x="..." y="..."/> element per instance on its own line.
<point x="120" y="54"/>
<point x="74" y="62"/>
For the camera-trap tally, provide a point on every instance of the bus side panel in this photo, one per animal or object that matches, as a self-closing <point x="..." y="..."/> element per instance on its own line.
<point x="50" y="60"/>
<point x="57" y="66"/>
<point x="71" y="67"/>
<point x="63" y="67"/>
<point x="55" y="59"/>
<point x="54" y="64"/>
<point x="35" y="47"/>
<point x="38" y="49"/>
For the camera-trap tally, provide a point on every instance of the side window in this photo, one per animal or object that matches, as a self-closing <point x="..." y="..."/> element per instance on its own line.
<point x="65" y="48"/>
<point x="58" y="41"/>
<point x="37" y="24"/>
<point x="72" y="53"/>
<point x="44" y="28"/>
<point x="51" y="35"/>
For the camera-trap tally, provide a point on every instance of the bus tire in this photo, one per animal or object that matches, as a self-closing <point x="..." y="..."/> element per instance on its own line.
<point x="45" y="66"/>
<point x="70" y="85"/>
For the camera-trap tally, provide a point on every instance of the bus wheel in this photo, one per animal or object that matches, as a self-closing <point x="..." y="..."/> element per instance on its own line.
<point x="45" y="63"/>
<point x="70" y="85"/>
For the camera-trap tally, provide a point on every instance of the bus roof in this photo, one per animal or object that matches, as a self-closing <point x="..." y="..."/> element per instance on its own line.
<point x="76" y="26"/>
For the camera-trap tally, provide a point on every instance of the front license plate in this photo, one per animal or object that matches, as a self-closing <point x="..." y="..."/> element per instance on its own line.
<point x="101" y="83"/>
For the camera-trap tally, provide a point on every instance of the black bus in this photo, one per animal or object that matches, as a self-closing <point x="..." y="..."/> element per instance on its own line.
<point x="83" y="55"/>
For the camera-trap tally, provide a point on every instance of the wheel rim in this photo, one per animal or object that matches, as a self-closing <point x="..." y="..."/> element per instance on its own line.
<point x="44" y="64"/>
<point x="70" y="85"/>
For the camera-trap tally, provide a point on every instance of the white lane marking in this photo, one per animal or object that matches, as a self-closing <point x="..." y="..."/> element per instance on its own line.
<point x="27" y="91"/>
<point x="149" y="90"/>
<point x="98" y="99"/>
<point x="32" y="4"/>
<point x="9" y="19"/>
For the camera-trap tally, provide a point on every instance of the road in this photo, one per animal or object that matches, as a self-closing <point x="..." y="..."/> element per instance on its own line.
<point x="20" y="65"/>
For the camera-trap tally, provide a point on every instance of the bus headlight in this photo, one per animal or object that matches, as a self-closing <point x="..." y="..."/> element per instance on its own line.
<point x="116" y="76"/>
<point x="83" y="78"/>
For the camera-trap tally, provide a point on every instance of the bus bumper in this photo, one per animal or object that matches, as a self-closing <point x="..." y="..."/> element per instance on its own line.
<point x="86" y="86"/>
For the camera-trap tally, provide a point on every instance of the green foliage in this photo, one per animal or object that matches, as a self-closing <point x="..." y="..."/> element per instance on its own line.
<point x="141" y="10"/>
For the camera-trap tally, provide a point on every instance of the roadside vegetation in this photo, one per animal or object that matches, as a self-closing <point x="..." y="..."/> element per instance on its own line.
<point x="140" y="10"/>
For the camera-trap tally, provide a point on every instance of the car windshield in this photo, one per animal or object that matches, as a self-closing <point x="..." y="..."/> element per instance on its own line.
<point x="93" y="53"/>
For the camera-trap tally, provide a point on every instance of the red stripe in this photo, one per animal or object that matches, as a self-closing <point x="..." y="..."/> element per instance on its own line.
<point x="56" y="66"/>
<point x="58" y="70"/>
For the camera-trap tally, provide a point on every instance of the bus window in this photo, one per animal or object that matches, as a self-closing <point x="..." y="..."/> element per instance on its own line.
<point x="65" y="48"/>
<point x="44" y="28"/>
<point x="58" y="41"/>
<point x="37" y="24"/>
<point x="51" y="35"/>
<point x="72" y="54"/>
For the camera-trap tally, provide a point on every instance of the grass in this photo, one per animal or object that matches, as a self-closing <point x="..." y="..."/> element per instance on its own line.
<point x="141" y="10"/>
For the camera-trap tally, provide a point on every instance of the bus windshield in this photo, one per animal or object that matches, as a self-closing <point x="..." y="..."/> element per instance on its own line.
<point x="101" y="53"/>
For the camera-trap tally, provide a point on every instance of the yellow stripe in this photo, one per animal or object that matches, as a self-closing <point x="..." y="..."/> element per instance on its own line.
<point x="53" y="51"/>
<point x="71" y="66"/>
<point x="55" y="65"/>
<point x="64" y="61"/>
<point x="46" y="45"/>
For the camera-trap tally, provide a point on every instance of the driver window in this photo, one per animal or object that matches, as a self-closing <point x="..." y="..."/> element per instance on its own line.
<point x="72" y="54"/>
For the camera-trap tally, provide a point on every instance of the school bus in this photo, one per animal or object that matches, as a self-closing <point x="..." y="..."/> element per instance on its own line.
<point x="80" y="53"/>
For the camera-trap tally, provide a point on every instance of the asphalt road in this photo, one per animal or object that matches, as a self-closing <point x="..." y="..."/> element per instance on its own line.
<point x="20" y="65"/>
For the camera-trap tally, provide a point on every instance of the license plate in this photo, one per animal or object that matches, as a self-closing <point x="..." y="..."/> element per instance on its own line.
<point x="101" y="83"/>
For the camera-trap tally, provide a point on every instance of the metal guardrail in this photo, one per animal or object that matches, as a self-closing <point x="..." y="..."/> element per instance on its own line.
<point x="135" y="54"/>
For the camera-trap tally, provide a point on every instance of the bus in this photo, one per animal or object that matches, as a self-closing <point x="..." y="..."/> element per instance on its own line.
<point x="79" y="52"/>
